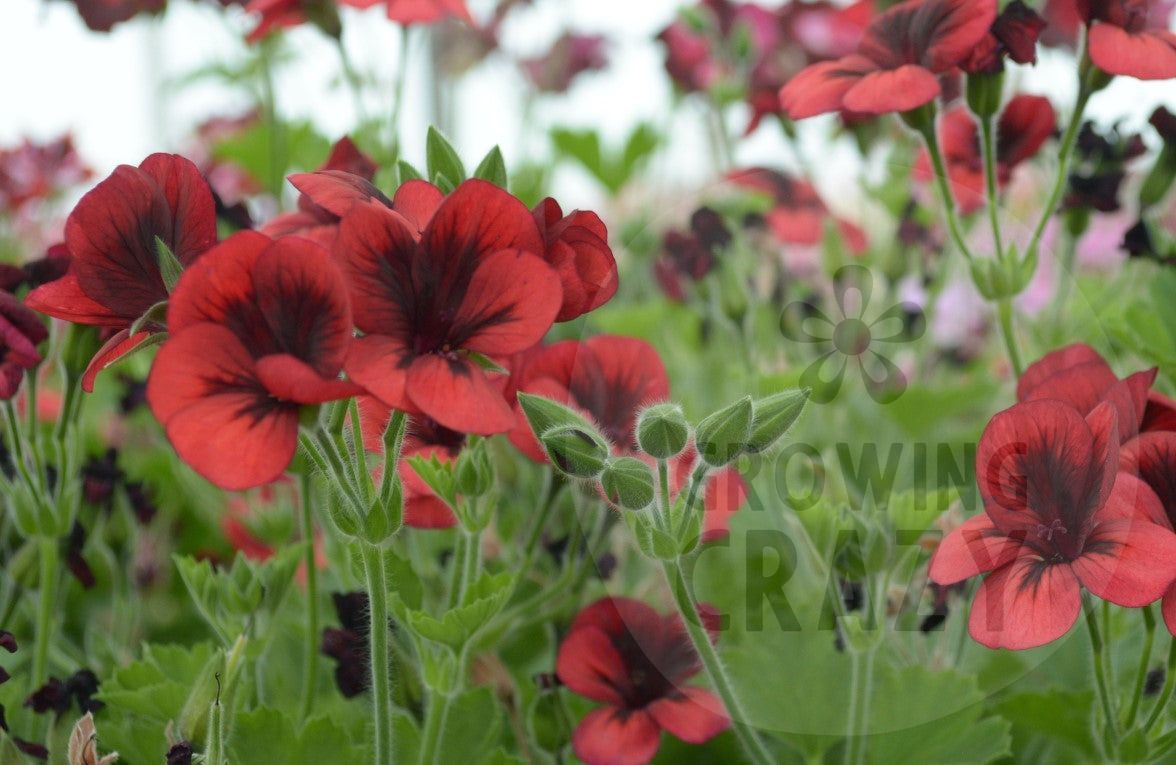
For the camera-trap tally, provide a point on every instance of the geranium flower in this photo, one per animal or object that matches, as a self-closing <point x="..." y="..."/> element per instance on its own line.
<point x="897" y="63"/>
<point x="569" y="56"/>
<point x="102" y="15"/>
<point x="346" y="170"/>
<point x="688" y="256"/>
<point x="284" y="14"/>
<point x="21" y="331"/>
<point x="472" y="283"/>
<point x="1024" y="126"/>
<point x="259" y="329"/>
<point x="112" y="234"/>
<point x="1014" y="34"/>
<point x="425" y="438"/>
<point x="1058" y="516"/>
<point x="1130" y="37"/>
<point x="609" y="379"/>
<point x="636" y="662"/>
<point x="1152" y="458"/>
<point x="798" y="214"/>
<point x="38" y="171"/>
<point x="577" y="248"/>
<point x="418" y="11"/>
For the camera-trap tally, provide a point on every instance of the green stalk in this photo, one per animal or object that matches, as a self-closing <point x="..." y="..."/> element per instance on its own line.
<point x="712" y="664"/>
<point x="1149" y="635"/>
<point x="989" y="149"/>
<point x="1004" y="310"/>
<point x="662" y="516"/>
<point x="377" y="587"/>
<point x="949" y="208"/>
<point x="1100" y="678"/>
<point x="861" y="688"/>
<point x="354" y="82"/>
<point x="1166" y="694"/>
<point x="46" y="599"/>
<point x="310" y="669"/>
<point x="435" y="714"/>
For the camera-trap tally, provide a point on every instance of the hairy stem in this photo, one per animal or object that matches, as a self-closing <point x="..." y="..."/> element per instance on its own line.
<point x="310" y="669"/>
<point x="377" y="587"/>
<point x="1100" y="678"/>
<point x="1149" y="636"/>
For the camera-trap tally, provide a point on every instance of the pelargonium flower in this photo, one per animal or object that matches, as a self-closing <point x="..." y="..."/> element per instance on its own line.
<point x="346" y="170"/>
<point x="283" y="14"/>
<point x="1058" y="517"/>
<point x="1130" y="37"/>
<point x="418" y="11"/>
<point x="897" y="63"/>
<point x="636" y="662"/>
<point x="38" y="171"/>
<point x="112" y="236"/>
<point x="259" y="329"/>
<point x="798" y="215"/>
<point x="425" y="438"/>
<point x="102" y="15"/>
<point x="21" y="331"/>
<point x="577" y="248"/>
<point x="1152" y="458"/>
<point x="437" y="289"/>
<point x="570" y="56"/>
<point x="1014" y="35"/>
<point x="1024" y="126"/>
<point x="688" y="256"/>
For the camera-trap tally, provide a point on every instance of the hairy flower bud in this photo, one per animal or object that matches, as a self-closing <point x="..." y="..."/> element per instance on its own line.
<point x="773" y="415"/>
<point x="723" y="436"/>
<point x="628" y="483"/>
<point x="576" y="451"/>
<point x="662" y="431"/>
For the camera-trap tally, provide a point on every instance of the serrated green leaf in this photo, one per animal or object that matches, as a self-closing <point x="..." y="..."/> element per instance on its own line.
<point x="270" y="735"/>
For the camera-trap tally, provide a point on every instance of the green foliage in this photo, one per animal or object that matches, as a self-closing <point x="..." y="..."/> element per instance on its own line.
<point x="442" y="161"/>
<point x="613" y="169"/>
<point x="268" y="735"/>
<point x="457" y="626"/>
<point x="231" y="599"/>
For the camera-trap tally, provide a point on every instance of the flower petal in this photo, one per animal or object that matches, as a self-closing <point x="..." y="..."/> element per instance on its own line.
<point x="1058" y="361"/>
<point x="376" y="248"/>
<point x="892" y="90"/>
<point x="820" y="88"/>
<point x="589" y="664"/>
<point x="1129" y="562"/>
<point x="976" y="547"/>
<point x="694" y="715"/>
<point x="289" y="378"/>
<point x="611" y="736"/>
<point x="337" y="191"/>
<point x="511" y="301"/>
<point x="417" y="201"/>
<point x="1152" y="457"/>
<point x="1146" y="55"/>
<point x="120" y="344"/>
<point x="1025" y="604"/>
<point x="380" y="364"/>
<point x="218" y="288"/>
<point x="456" y="393"/>
<point x="193" y="210"/>
<point x="64" y="299"/>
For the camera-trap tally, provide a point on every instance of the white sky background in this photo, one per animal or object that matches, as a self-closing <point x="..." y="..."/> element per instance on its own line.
<point x="111" y="90"/>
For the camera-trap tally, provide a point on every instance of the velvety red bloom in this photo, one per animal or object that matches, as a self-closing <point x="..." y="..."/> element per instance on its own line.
<point x="1024" y="126"/>
<point x="283" y="14"/>
<point x="345" y="177"/>
<point x="21" y="331"/>
<point x="1127" y="38"/>
<point x="425" y="438"/>
<point x="1058" y="516"/>
<point x="38" y="171"/>
<point x="577" y="248"/>
<point x="897" y="63"/>
<point x="636" y="662"/>
<point x="418" y="11"/>
<point x="259" y="329"/>
<point x="798" y="215"/>
<point x="114" y="275"/>
<point x="101" y="15"/>
<point x="1152" y="457"/>
<point x="1014" y="34"/>
<point x="569" y="56"/>
<point x="435" y="287"/>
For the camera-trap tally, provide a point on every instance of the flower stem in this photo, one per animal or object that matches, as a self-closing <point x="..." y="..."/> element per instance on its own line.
<point x="377" y="587"/>
<point x="949" y="207"/>
<point x="748" y="736"/>
<point x="310" y="670"/>
<point x="1100" y="679"/>
<point x="435" y="714"/>
<point x="1004" y="310"/>
<point x="861" y="689"/>
<point x="989" y="149"/>
<point x="1149" y="636"/>
<point x="1166" y="694"/>
<point x="47" y="598"/>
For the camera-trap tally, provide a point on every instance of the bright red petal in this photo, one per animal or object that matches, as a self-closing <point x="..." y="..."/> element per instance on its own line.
<point x="820" y="88"/>
<point x="1132" y="499"/>
<point x="289" y="378"/>
<point x="1054" y="362"/>
<point x="457" y="394"/>
<point x="1130" y="563"/>
<point x="337" y="191"/>
<point x="694" y="715"/>
<point x="376" y="248"/>
<point x="426" y="11"/>
<point x="590" y="665"/>
<point x="218" y="288"/>
<point x="380" y="364"/>
<point x="1152" y="457"/>
<point x="417" y="201"/>
<point x="1147" y="55"/>
<point x="892" y="90"/>
<point x="976" y="547"/>
<point x="119" y="345"/>
<point x="611" y="737"/>
<point x="193" y="211"/>
<point x="510" y="303"/>
<point x="63" y="299"/>
<point x="1026" y="604"/>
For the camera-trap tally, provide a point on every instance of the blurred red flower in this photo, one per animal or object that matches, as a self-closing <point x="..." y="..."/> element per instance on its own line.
<point x="1014" y="34"/>
<point x="102" y="15"/>
<point x="283" y="14"/>
<point x="21" y="331"/>
<point x="346" y="170"/>
<point x="1024" y="126"/>
<point x="1130" y="37"/>
<point x="636" y="662"/>
<point x="112" y="234"/>
<point x="798" y="214"/>
<point x="568" y="57"/>
<point x="897" y="63"/>
<point x="1058" y="516"/>
<point x="577" y="248"/>
<point x="436" y="288"/>
<point x="38" y="171"/>
<point x="418" y="11"/>
<point x="259" y="329"/>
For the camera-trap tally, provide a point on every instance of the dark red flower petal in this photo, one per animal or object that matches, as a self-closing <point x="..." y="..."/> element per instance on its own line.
<point x="590" y="665"/>
<point x="1025" y="604"/>
<point x="892" y="90"/>
<point x="1152" y="457"/>
<point x="1025" y="124"/>
<point x="1159" y="413"/>
<point x="577" y="247"/>
<point x="427" y="11"/>
<point x="120" y="344"/>
<point x="976" y="547"/>
<point x="509" y="304"/>
<point x="1017" y="28"/>
<point x="417" y="201"/>
<point x="611" y="736"/>
<point x="63" y="299"/>
<point x="289" y="378"/>
<point x="456" y="393"/>
<point x="1129" y="562"/>
<point x="380" y="364"/>
<point x="1054" y="362"/>
<point x="694" y="715"/>
<point x="337" y="191"/>
<point x="936" y="34"/>
<point x="820" y="88"/>
<point x="219" y="287"/>
<point x="1145" y="55"/>
<point x="190" y="202"/>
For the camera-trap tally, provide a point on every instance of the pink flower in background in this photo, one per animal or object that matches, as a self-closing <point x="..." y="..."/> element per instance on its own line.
<point x="569" y="56"/>
<point x="32" y="171"/>
<point x="418" y="11"/>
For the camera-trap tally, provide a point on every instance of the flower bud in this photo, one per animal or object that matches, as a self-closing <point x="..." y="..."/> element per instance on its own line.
<point x="544" y="414"/>
<point x="984" y="92"/>
<point x="773" y="415"/>
<point x="576" y="451"/>
<point x="384" y="517"/>
<point x="723" y="436"/>
<point x="628" y="483"/>
<point x="474" y="473"/>
<point x="662" y="431"/>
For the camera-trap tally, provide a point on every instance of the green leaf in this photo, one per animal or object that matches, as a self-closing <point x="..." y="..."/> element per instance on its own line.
<point x="170" y="267"/>
<point x="407" y="172"/>
<point x="459" y="625"/>
<point x="438" y="476"/>
<point x="474" y="726"/>
<point x="492" y="168"/>
<point x="269" y="735"/>
<point x="441" y="160"/>
<point x="303" y="148"/>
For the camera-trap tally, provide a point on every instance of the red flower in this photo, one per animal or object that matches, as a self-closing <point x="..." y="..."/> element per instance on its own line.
<point x="1024" y="126"/>
<point x="897" y="64"/>
<point x="1013" y="34"/>
<point x="577" y="248"/>
<point x="418" y="11"/>
<point x="259" y="329"/>
<point x="1058" y="517"/>
<point x="346" y="171"/>
<point x="20" y="333"/>
<point x="569" y="56"/>
<point x="688" y="256"/>
<point x="1126" y="38"/>
<point x="425" y="438"/>
<point x="636" y="662"/>
<point x="471" y="283"/>
<point x="36" y="171"/>
<point x="114" y="275"/>
<point x="101" y="15"/>
<point x="1152" y="457"/>
<point x="798" y="215"/>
